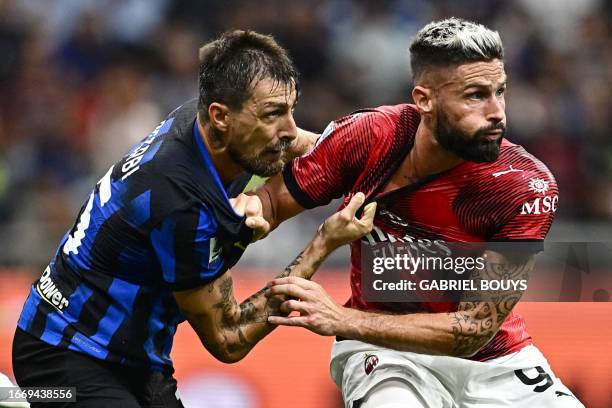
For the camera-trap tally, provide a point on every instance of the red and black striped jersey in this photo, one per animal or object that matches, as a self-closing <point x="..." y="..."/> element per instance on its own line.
<point x="511" y="199"/>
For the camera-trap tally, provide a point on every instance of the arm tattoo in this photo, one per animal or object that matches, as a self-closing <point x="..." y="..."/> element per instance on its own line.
<point x="235" y="318"/>
<point x="477" y="320"/>
<point x="226" y="308"/>
<point x="249" y="313"/>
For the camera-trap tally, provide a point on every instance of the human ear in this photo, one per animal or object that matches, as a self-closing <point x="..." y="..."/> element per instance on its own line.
<point x="218" y="115"/>
<point x="422" y="97"/>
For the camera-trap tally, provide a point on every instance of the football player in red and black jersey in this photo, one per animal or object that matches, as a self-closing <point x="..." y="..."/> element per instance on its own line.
<point x="441" y="171"/>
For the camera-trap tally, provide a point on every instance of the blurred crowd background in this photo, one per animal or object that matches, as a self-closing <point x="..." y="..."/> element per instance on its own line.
<point x="82" y="80"/>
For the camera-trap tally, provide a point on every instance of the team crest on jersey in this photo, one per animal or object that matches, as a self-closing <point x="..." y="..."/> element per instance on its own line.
<point x="214" y="251"/>
<point x="538" y="185"/>
<point x="370" y="362"/>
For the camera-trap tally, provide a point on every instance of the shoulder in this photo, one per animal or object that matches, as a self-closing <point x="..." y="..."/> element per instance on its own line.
<point x="374" y="124"/>
<point x="172" y="169"/>
<point x="516" y="182"/>
<point x="387" y="116"/>
<point x="519" y="172"/>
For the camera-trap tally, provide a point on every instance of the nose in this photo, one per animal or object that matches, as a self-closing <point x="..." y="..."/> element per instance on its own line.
<point x="496" y="109"/>
<point x="288" y="128"/>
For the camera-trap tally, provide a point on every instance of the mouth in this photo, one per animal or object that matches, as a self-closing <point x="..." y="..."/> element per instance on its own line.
<point x="273" y="153"/>
<point x="493" y="135"/>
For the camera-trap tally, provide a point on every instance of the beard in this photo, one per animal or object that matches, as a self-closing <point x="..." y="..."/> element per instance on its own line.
<point x="473" y="147"/>
<point x="257" y="163"/>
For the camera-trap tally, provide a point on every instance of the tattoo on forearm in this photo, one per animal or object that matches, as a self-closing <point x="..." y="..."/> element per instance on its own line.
<point x="235" y="318"/>
<point x="476" y="322"/>
<point x="249" y="313"/>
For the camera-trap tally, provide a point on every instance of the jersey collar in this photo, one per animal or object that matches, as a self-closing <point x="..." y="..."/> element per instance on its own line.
<point x="208" y="160"/>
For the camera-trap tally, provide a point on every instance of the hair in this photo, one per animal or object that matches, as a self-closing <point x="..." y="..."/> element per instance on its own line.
<point x="231" y="66"/>
<point x="450" y="42"/>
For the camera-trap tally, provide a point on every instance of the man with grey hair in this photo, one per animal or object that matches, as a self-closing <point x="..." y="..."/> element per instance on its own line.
<point x="440" y="171"/>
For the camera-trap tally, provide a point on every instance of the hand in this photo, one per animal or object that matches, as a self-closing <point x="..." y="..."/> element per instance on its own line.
<point x="250" y="207"/>
<point x="302" y="144"/>
<point x="342" y="227"/>
<point x="319" y="313"/>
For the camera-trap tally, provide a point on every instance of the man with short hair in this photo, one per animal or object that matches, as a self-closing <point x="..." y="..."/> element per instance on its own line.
<point x="441" y="172"/>
<point x="154" y="242"/>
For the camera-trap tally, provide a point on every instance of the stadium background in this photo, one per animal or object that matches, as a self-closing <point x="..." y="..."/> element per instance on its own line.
<point x="81" y="80"/>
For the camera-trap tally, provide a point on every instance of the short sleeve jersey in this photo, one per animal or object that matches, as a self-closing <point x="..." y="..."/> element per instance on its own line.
<point x="158" y="221"/>
<point x="511" y="199"/>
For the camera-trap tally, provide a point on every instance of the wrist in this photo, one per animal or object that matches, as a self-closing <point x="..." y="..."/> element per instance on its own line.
<point x="322" y="245"/>
<point x="311" y="258"/>
<point x="325" y="240"/>
<point x="346" y="323"/>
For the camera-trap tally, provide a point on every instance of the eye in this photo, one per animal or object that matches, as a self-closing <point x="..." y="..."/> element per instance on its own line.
<point x="476" y="95"/>
<point x="272" y="114"/>
<point x="501" y="91"/>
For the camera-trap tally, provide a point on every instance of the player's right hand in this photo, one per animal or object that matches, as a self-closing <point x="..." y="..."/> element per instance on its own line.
<point x="343" y="227"/>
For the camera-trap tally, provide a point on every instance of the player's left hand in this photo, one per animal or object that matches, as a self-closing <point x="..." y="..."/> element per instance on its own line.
<point x="250" y="207"/>
<point x="319" y="313"/>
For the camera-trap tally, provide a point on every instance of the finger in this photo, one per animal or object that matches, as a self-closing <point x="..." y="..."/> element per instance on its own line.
<point x="288" y="321"/>
<point x="253" y="207"/>
<point x="293" y="305"/>
<point x="289" y="289"/>
<point x="301" y="282"/>
<point x="351" y="208"/>
<point x="258" y="224"/>
<point x="367" y="218"/>
<point x="239" y="204"/>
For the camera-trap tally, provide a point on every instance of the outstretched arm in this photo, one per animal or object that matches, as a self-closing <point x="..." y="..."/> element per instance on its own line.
<point x="461" y="333"/>
<point x="230" y="330"/>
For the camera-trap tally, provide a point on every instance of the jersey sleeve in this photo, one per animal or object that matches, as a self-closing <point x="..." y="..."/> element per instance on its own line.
<point x="331" y="168"/>
<point x="532" y="204"/>
<point x="187" y="248"/>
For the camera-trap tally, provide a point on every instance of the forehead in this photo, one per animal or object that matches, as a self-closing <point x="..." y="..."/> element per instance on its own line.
<point x="268" y="90"/>
<point x="486" y="73"/>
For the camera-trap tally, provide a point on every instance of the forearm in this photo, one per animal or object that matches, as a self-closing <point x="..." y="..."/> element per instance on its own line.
<point x="458" y="334"/>
<point x="249" y="323"/>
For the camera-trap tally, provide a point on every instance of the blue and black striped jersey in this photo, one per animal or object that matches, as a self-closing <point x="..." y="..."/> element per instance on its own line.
<point x="158" y="221"/>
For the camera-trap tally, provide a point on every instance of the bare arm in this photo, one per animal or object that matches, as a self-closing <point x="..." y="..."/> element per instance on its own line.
<point x="229" y="330"/>
<point x="461" y="333"/>
<point x="277" y="202"/>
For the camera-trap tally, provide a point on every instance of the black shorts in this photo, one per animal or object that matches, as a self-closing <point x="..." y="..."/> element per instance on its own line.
<point x="98" y="383"/>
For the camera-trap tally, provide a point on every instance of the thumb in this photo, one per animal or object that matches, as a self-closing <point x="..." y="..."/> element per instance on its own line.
<point x="351" y="208"/>
<point x="367" y="218"/>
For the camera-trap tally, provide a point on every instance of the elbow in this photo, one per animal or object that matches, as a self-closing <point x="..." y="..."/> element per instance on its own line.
<point x="227" y="353"/>
<point x="468" y="345"/>
<point x="228" y="357"/>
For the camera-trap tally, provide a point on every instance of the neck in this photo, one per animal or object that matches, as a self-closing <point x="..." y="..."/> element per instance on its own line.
<point x="225" y="166"/>
<point x="427" y="156"/>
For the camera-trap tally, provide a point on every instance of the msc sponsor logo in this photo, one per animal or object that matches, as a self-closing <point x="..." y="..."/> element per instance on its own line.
<point x="540" y="205"/>
<point x="47" y="289"/>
